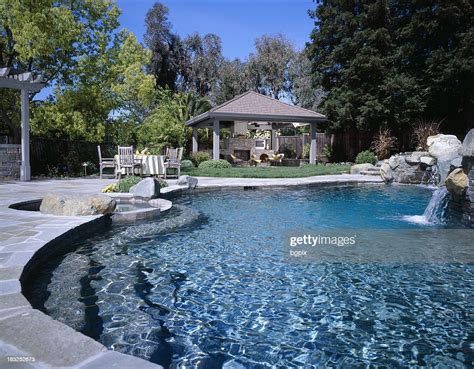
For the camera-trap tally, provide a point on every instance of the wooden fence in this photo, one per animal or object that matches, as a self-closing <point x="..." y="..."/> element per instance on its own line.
<point x="345" y="145"/>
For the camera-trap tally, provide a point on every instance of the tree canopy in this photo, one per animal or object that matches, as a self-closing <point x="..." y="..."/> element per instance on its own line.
<point x="388" y="63"/>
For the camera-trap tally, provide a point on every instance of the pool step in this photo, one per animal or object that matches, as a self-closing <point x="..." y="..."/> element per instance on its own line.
<point x="373" y="171"/>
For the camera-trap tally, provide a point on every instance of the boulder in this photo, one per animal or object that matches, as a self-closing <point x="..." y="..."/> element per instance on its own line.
<point x="357" y="168"/>
<point x="67" y="205"/>
<point x="468" y="144"/>
<point x="457" y="182"/>
<point x="386" y="171"/>
<point x="191" y="182"/>
<point x="456" y="163"/>
<point x="428" y="160"/>
<point x="148" y="188"/>
<point x="415" y="157"/>
<point x="444" y="146"/>
<point x="394" y="161"/>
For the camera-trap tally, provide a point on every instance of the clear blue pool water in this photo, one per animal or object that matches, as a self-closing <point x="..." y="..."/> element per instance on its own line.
<point x="207" y="286"/>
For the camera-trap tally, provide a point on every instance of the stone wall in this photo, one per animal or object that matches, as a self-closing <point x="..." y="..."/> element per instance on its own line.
<point x="10" y="161"/>
<point x="461" y="206"/>
<point x="461" y="184"/>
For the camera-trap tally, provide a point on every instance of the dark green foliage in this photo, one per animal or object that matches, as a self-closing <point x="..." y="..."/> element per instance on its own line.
<point x="388" y="63"/>
<point x="366" y="157"/>
<point x="215" y="164"/>
<point x="126" y="183"/>
<point x="289" y="151"/>
<point x="162" y="183"/>
<point x="187" y="164"/>
<point x="200" y="156"/>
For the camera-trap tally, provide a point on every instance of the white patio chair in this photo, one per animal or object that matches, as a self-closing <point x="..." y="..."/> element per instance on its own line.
<point x="127" y="161"/>
<point x="173" y="160"/>
<point x="105" y="163"/>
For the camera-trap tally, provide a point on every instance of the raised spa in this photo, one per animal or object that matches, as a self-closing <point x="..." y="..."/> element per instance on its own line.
<point x="208" y="285"/>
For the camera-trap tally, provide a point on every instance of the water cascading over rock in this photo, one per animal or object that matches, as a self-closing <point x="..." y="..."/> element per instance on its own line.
<point x="424" y="167"/>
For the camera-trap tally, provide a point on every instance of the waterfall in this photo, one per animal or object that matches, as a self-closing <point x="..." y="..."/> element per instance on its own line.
<point x="435" y="212"/>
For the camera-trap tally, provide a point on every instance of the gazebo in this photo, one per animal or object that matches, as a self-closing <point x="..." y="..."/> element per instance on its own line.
<point x="253" y="107"/>
<point x="26" y="82"/>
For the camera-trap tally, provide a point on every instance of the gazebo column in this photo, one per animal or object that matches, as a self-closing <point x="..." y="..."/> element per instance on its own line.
<point x="215" y="140"/>
<point x="25" y="171"/>
<point x="195" y="139"/>
<point x="273" y="139"/>
<point x="313" y="147"/>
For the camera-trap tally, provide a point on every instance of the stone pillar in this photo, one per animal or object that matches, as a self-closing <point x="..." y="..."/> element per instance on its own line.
<point x="215" y="140"/>
<point x="312" y="151"/>
<point x="195" y="139"/>
<point x="25" y="170"/>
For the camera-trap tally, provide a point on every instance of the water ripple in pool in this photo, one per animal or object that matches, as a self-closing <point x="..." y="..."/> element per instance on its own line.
<point x="206" y="286"/>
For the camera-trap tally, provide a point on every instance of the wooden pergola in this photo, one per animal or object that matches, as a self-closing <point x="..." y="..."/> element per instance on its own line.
<point x="26" y="82"/>
<point x="254" y="107"/>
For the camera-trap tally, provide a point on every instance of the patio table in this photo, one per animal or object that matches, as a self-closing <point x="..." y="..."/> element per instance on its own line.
<point x="152" y="165"/>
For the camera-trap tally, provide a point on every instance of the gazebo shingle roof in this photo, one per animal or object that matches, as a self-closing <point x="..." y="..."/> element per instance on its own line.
<point x="254" y="106"/>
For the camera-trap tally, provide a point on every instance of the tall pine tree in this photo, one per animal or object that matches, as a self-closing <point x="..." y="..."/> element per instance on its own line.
<point x="389" y="63"/>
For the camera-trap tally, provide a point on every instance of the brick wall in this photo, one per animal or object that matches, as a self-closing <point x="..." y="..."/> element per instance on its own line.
<point x="10" y="161"/>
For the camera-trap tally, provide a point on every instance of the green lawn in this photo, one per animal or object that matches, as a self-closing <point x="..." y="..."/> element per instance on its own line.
<point x="269" y="172"/>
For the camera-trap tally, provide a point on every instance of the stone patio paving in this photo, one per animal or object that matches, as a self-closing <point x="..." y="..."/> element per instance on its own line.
<point x="28" y="333"/>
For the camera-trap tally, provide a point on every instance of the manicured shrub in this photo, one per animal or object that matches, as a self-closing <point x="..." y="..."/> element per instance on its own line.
<point x="216" y="164"/>
<point x="200" y="156"/>
<point x="126" y="183"/>
<point x="366" y="157"/>
<point x="187" y="164"/>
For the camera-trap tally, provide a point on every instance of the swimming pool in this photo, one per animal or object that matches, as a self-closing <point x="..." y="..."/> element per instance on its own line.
<point x="207" y="285"/>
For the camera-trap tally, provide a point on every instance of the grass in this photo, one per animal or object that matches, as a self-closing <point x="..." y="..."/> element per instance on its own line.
<point x="269" y="172"/>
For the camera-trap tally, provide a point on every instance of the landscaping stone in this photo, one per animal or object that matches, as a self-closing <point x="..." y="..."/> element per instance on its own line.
<point x="415" y="157"/>
<point x="162" y="204"/>
<point x="457" y="182"/>
<point x="148" y="188"/>
<point x="191" y="182"/>
<point x="456" y="163"/>
<point x="468" y="144"/>
<point x="357" y="168"/>
<point x="70" y="205"/>
<point x="444" y="146"/>
<point x="428" y="160"/>
<point x="386" y="171"/>
<point x="394" y="161"/>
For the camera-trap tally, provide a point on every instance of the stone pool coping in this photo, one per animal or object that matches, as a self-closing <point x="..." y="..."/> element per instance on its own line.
<point x="27" y="332"/>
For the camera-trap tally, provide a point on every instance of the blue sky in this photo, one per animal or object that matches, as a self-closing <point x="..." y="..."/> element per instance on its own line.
<point x="237" y="22"/>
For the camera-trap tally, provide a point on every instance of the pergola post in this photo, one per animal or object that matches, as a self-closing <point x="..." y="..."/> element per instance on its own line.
<point x="195" y="139"/>
<point x="25" y="170"/>
<point x="215" y="140"/>
<point x="313" y="147"/>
